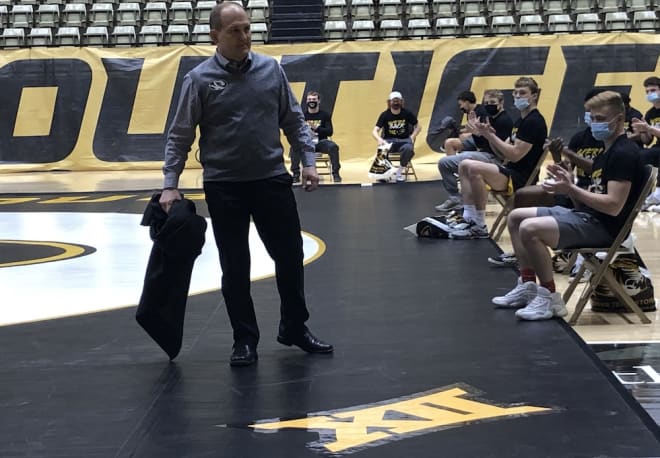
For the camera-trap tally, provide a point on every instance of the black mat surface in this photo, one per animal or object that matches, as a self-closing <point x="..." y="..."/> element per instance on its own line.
<point x="408" y="318"/>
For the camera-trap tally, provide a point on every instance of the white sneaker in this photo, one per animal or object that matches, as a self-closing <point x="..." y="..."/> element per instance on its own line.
<point x="543" y="307"/>
<point x="400" y="178"/>
<point x="518" y="297"/>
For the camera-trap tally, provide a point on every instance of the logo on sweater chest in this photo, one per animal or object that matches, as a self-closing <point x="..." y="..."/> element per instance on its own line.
<point x="218" y="85"/>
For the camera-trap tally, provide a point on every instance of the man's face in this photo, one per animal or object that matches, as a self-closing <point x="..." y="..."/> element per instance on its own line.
<point x="523" y="92"/>
<point x="650" y="89"/>
<point x="489" y="100"/>
<point x="395" y="103"/>
<point x="312" y="101"/>
<point x="233" y="38"/>
<point x="465" y="106"/>
<point x="604" y="114"/>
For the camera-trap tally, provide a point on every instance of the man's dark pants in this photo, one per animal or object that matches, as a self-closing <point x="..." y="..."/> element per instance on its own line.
<point x="272" y="205"/>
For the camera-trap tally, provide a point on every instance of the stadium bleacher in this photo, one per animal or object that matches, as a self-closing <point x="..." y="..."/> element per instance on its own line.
<point x="163" y="22"/>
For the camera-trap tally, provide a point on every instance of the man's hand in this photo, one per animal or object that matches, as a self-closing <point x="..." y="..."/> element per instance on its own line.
<point x="310" y="178"/>
<point x="640" y="126"/>
<point x="167" y="199"/>
<point x="556" y="146"/>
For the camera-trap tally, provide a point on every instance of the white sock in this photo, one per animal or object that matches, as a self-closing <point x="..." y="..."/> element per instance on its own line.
<point x="400" y="170"/>
<point x="480" y="217"/>
<point x="469" y="212"/>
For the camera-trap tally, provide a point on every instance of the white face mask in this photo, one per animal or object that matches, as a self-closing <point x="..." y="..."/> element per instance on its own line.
<point x="652" y="96"/>
<point x="521" y="103"/>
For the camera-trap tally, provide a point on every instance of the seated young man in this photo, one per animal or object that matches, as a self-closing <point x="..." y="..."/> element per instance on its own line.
<point x="522" y="151"/>
<point x="598" y="216"/>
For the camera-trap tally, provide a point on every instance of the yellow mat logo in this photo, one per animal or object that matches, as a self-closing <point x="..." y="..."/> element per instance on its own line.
<point x="356" y="428"/>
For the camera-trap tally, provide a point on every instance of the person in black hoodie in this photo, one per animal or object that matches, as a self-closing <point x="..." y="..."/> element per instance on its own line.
<point x="321" y="124"/>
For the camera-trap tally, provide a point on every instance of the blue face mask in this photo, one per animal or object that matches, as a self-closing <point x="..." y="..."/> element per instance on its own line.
<point x="521" y="103"/>
<point x="600" y="130"/>
<point x="652" y="96"/>
<point x="587" y="118"/>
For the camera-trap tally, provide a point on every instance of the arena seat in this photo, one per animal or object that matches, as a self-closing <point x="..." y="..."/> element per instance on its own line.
<point x="96" y="35"/>
<point x="528" y="8"/>
<point x="475" y="25"/>
<point x="531" y="23"/>
<point x="583" y="7"/>
<point x="67" y="36"/>
<point x="640" y="5"/>
<point x="200" y="34"/>
<point x="335" y="30"/>
<point x="177" y="33"/>
<point x="335" y="10"/>
<point x="417" y="9"/>
<point x="390" y="9"/>
<point x="155" y="13"/>
<point x="391" y="29"/>
<point x="469" y="8"/>
<point x="611" y="6"/>
<point x="48" y="15"/>
<point x="551" y="7"/>
<point x="128" y="14"/>
<point x="74" y="15"/>
<point x="258" y="10"/>
<point x="181" y="13"/>
<point x="12" y="38"/>
<point x="101" y="14"/>
<point x="587" y="22"/>
<point x="123" y="35"/>
<point x="617" y="21"/>
<point x="444" y="8"/>
<point x="362" y="10"/>
<point x="447" y="27"/>
<point x="4" y="16"/>
<point x="259" y="32"/>
<point x="419" y="28"/>
<point x="363" y="30"/>
<point x="202" y="11"/>
<point x="21" y="17"/>
<point x="560" y="23"/>
<point x="503" y="25"/>
<point x="40" y="36"/>
<point x="150" y="35"/>
<point x="645" y="21"/>
<point x="497" y="8"/>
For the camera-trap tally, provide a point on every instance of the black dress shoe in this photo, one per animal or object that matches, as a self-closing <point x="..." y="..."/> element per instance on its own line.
<point x="306" y="341"/>
<point x="243" y="355"/>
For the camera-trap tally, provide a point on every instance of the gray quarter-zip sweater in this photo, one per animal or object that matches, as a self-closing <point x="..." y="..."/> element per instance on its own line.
<point x="239" y="114"/>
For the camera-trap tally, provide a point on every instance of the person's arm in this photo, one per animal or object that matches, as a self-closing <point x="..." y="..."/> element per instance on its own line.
<point x="611" y="203"/>
<point x="577" y="160"/>
<point x="180" y="137"/>
<point x="416" y="130"/>
<point x="511" y="152"/>
<point x="645" y="130"/>
<point x="298" y="133"/>
<point x="325" y="130"/>
<point x="376" y="134"/>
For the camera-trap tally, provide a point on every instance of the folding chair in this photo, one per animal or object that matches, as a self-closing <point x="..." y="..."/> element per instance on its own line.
<point x="599" y="267"/>
<point x="323" y="164"/>
<point x="506" y="200"/>
<point x="395" y="159"/>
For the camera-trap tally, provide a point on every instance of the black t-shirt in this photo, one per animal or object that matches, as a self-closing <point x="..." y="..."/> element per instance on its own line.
<point x="619" y="163"/>
<point x="652" y="117"/>
<point x="530" y="129"/>
<point x="584" y="144"/>
<point x="503" y="125"/>
<point x="321" y="120"/>
<point x="397" y="125"/>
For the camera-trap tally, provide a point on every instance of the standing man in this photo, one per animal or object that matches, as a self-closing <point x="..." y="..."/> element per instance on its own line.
<point x="320" y="123"/>
<point x="240" y="100"/>
<point x="397" y="126"/>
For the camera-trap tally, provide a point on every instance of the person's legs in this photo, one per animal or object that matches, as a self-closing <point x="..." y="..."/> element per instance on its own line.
<point x="453" y="146"/>
<point x="474" y="176"/>
<point x="406" y="152"/>
<point x="276" y="218"/>
<point x="228" y="205"/>
<point x="332" y="150"/>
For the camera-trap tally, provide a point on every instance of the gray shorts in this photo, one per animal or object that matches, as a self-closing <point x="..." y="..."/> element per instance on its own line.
<point x="577" y="229"/>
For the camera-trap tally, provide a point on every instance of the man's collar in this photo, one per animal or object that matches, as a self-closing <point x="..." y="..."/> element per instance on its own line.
<point x="224" y="62"/>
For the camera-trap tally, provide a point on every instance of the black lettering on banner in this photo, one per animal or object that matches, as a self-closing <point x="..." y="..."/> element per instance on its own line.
<point x="583" y="64"/>
<point x="72" y="77"/>
<point x="463" y="67"/>
<point x="112" y="142"/>
<point x="412" y="70"/>
<point x="324" y="72"/>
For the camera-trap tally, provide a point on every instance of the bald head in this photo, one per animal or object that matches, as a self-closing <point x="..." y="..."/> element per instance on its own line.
<point x="230" y="30"/>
